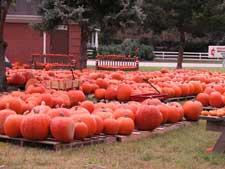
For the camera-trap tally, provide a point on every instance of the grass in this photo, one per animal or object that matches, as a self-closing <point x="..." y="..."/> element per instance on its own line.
<point x="181" y="149"/>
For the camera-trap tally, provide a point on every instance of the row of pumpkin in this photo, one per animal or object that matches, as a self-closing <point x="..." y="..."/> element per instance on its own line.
<point x="105" y="84"/>
<point x="89" y="119"/>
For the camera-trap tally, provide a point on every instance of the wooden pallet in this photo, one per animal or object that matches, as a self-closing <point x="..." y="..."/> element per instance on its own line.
<point x="136" y="135"/>
<point x="178" y="99"/>
<point x="52" y="144"/>
<point x="208" y="108"/>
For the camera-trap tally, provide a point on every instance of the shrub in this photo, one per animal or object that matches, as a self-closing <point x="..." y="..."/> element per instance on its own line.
<point x="129" y="47"/>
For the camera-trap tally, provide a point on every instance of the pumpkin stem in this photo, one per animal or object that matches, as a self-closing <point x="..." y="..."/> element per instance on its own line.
<point x="36" y="111"/>
<point x="62" y="114"/>
<point x="7" y="106"/>
<point x="26" y="112"/>
<point x="43" y="103"/>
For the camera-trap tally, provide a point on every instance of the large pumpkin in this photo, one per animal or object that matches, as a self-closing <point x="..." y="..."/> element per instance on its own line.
<point x="35" y="126"/>
<point x="3" y="116"/>
<point x="192" y="110"/>
<point x="12" y="125"/>
<point x="148" y="118"/>
<point x="62" y="129"/>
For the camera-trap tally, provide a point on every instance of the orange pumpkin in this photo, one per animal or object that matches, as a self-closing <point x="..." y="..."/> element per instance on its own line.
<point x="148" y="118"/>
<point x="89" y="105"/>
<point x="100" y="94"/>
<point x="124" y="92"/>
<point x="216" y="100"/>
<point x="80" y="130"/>
<point x="111" y="126"/>
<point x="126" y="125"/>
<point x="203" y="98"/>
<point x="12" y="125"/>
<point x="62" y="129"/>
<point x="35" y="126"/>
<point x="3" y="116"/>
<point x="76" y="96"/>
<point x="192" y="110"/>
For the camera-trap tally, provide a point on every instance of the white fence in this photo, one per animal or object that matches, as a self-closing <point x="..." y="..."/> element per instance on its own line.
<point x="163" y="55"/>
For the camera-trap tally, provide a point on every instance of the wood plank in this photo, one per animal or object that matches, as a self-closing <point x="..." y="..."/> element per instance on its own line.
<point x="179" y="98"/>
<point x="217" y="126"/>
<point x="212" y="118"/>
<point x="220" y="144"/>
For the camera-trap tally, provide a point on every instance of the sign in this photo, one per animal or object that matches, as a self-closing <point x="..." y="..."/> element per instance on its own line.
<point x="216" y="51"/>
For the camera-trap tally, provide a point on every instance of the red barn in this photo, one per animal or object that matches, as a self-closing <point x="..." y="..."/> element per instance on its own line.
<point x="23" y="40"/>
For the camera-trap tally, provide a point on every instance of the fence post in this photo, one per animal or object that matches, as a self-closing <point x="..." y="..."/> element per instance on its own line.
<point x="163" y="55"/>
<point x="200" y="56"/>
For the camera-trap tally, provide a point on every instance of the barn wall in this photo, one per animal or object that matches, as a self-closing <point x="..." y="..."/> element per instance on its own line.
<point x="23" y="41"/>
<point x="75" y="42"/>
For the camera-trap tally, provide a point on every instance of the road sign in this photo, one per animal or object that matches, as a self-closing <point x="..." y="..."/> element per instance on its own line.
<point x="216" y="51"/>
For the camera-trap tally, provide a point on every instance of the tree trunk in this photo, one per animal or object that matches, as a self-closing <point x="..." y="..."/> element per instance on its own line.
<point x="3" y="84"/>
<point x="181" y="48"/>
<point x="84" y="39"/>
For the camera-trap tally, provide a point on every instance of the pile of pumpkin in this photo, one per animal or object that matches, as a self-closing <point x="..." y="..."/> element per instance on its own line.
<point x="67" y="115"/>
<point x="217" y="112"/>
<point x="174" y="83"/>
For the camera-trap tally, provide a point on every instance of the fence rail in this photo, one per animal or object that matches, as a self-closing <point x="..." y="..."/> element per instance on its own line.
<point x="164" y="55"/>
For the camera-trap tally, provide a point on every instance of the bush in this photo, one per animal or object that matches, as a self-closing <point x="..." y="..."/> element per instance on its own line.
<point x="129" y="47"/>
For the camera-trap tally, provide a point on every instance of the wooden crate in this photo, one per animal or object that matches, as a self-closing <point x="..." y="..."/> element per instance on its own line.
<point x="62" y="84"/>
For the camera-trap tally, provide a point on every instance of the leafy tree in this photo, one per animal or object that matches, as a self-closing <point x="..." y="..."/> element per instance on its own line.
<point x="5" y="4"/>
<point x="107" y="15"/>
<point x="197" y="17"/>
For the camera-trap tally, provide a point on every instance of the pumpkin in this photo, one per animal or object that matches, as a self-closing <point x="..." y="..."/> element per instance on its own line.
<point x="35" y="88"/>
<point x="104" y="113"/>
<point x="124" y="92"/>
<point x="154" y="102"/>
<point x="47" y="98"/>
<point x="121" y="112"/>
<point x="88" y="120"/>
<point x="100" y="94"/>
<point x="89" y="105"/>
<point x="12" y="103"/>
<point x="52" y="113"/>
<point x="80" y="130"/>
<point x="176" y="113"/>
<point x="110" y="93"/>
<point x="12" y="125"/>
<point x="62" y="128"/>
<point x="163" y="108"/>
<point x="78" y="110"/>
<point x="102" y="83"/>
<point x="203" y="98"/>
<point x="76" y="96"/>
<point x="3" y="116"/>
<point x="35" y="126"/>
<point x="192" y="110"/>
<point x="111" y="126"/>
<point x="148" y="117"/>
<point x="216" y="100"/>
<point x="99" y="124"/>
<point x="126" y="125"/>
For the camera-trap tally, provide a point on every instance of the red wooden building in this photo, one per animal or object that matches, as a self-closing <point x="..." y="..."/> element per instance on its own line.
<point x="23" y="40"/>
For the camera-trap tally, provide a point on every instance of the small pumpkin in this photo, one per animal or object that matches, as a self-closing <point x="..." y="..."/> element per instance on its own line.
<point x="111" y="126"/>
<point x="80" y="130"/>
<point x="12" y="125"/>
<point x="126" y="125"/>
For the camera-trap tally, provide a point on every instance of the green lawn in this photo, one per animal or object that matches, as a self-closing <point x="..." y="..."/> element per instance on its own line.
<point x="181" y="149"/>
